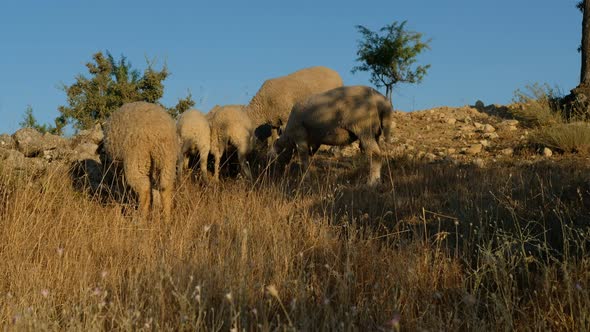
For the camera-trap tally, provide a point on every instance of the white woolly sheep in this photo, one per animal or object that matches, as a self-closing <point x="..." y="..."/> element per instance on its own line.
<point x="276" y="97"/>
<point x="337" y="117"/>
<point x="195" y="137"/>
<point x="230" y="125"/>
<point x="142" y="137"/>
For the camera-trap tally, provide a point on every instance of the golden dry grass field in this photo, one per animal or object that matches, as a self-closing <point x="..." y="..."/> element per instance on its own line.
<point x="436" y="247"/>
<point x="445" y="243"/>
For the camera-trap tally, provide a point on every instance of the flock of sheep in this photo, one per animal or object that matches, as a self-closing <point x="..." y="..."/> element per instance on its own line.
<point x="294" y="113"/>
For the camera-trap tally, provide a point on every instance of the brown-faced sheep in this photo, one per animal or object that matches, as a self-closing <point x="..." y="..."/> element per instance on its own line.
<point x="230" y="125"/>
<point x="276" y="97"/>
<point x="195" y="137"/>
<point x="142" y="137"/>
<point x="338" y="117"/>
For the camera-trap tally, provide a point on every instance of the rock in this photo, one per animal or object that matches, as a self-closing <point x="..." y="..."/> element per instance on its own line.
<point x="86" y="150"/>
<point x="29" y="141"/>
<point x="477" y="125"/>
<point x="32" y="143"/>
<point x="95" y="135"/>
<point x="467" y="128"/>
<point x="510" y="125"/>
<point x="474" y="149"/>
<point x="488" y="128"/>
<point x="479" y="162"/>
<point x="451" y="121"/>
<point x="59" y="153"/>
<point x="14" y="160"/>
<point x="430" y="157"/>
<point x="51" y="141"/>
<point x="507" y="151"/>
<point x="547" y="152"/>
<point x="467" y="119"/>
<point x="6" y="142"/>
<point x="451" y="151"/>
<point x="485" y="143"/>
<point x="491" y="135"/>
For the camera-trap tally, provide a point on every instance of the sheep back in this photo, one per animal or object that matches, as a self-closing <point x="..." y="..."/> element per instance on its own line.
<point x="275" y="98"/>
<point x="193" y="130"/>
<point x="339" y="116"/>
<point x="229" y="122"/>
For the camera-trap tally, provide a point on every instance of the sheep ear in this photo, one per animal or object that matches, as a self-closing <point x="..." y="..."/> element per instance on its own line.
<point x="263" y="132"/>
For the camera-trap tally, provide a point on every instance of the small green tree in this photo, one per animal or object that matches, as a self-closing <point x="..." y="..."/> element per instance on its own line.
<point x="182" y="105"/>
<point x="29" y="121"/>
<point x="390" y="57"/>
<point x="111" y="84"/>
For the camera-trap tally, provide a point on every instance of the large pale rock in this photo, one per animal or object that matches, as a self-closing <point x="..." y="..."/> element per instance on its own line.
<point x="29" y="142"/>
<point x="474" y="149"/>
<point x="6" y="141"/>
<point x="13" y="160"/>
<point x="94" y="136"/>
<point x="34" y="144"/>
<point x="547" y="152"/>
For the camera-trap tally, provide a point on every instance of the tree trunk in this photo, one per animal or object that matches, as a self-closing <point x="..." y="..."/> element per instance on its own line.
<point x="585" y="48"/>
<point x="389" y="93"/>
<point x="576" y="105"/>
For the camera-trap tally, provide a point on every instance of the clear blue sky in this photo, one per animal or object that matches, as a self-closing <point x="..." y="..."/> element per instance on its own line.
<point x="222" y="51"/>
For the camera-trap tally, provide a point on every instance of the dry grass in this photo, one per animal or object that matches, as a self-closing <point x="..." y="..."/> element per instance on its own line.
<point x="564" y="137"/>
<point x="535" y="106"/>
<point x="438" y="247"/>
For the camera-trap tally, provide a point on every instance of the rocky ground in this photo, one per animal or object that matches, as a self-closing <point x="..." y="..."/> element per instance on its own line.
<point x="479" y="135"/>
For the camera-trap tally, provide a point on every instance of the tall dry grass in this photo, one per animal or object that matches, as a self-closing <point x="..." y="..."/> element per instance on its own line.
<point x="438" y="247"/>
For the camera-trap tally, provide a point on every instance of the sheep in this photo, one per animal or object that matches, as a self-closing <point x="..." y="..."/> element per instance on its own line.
<point x="274" y="100"/>
<point x="231" y="125"/>
<point x="337" y="117"/>
<point x="195" y="136"/>
<point x="142" y="137"/>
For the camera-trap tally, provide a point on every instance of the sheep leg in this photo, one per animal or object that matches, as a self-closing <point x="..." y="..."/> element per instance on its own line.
<point x="373" y="153"/>
<point x="166" y="182"/>
<point x="183" y="160"/>
<point x="242" y="142"/>
<point x="303" y="153"/>
<point x="244" y="166"/>
<point x="140" y="183"/>
<point x="203" y="155"/>
<point x="217" y="156"/>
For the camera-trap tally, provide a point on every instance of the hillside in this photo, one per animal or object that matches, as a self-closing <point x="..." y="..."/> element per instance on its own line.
<point x="471" y="229"/>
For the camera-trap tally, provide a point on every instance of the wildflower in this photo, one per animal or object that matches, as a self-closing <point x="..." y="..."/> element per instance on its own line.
<point x="394" y="323"/>
<point x="229" y="297"/>
<point x="44" y="292"/>
<point x="60" y="251"/>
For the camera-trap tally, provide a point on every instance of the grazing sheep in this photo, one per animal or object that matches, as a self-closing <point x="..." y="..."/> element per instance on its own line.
<point x="338" y="117"/>
<point x="195" y="137"/>
<point x="273" y="102"/>
<point x="230" y="125"/>
<point x="142" y="137"/>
